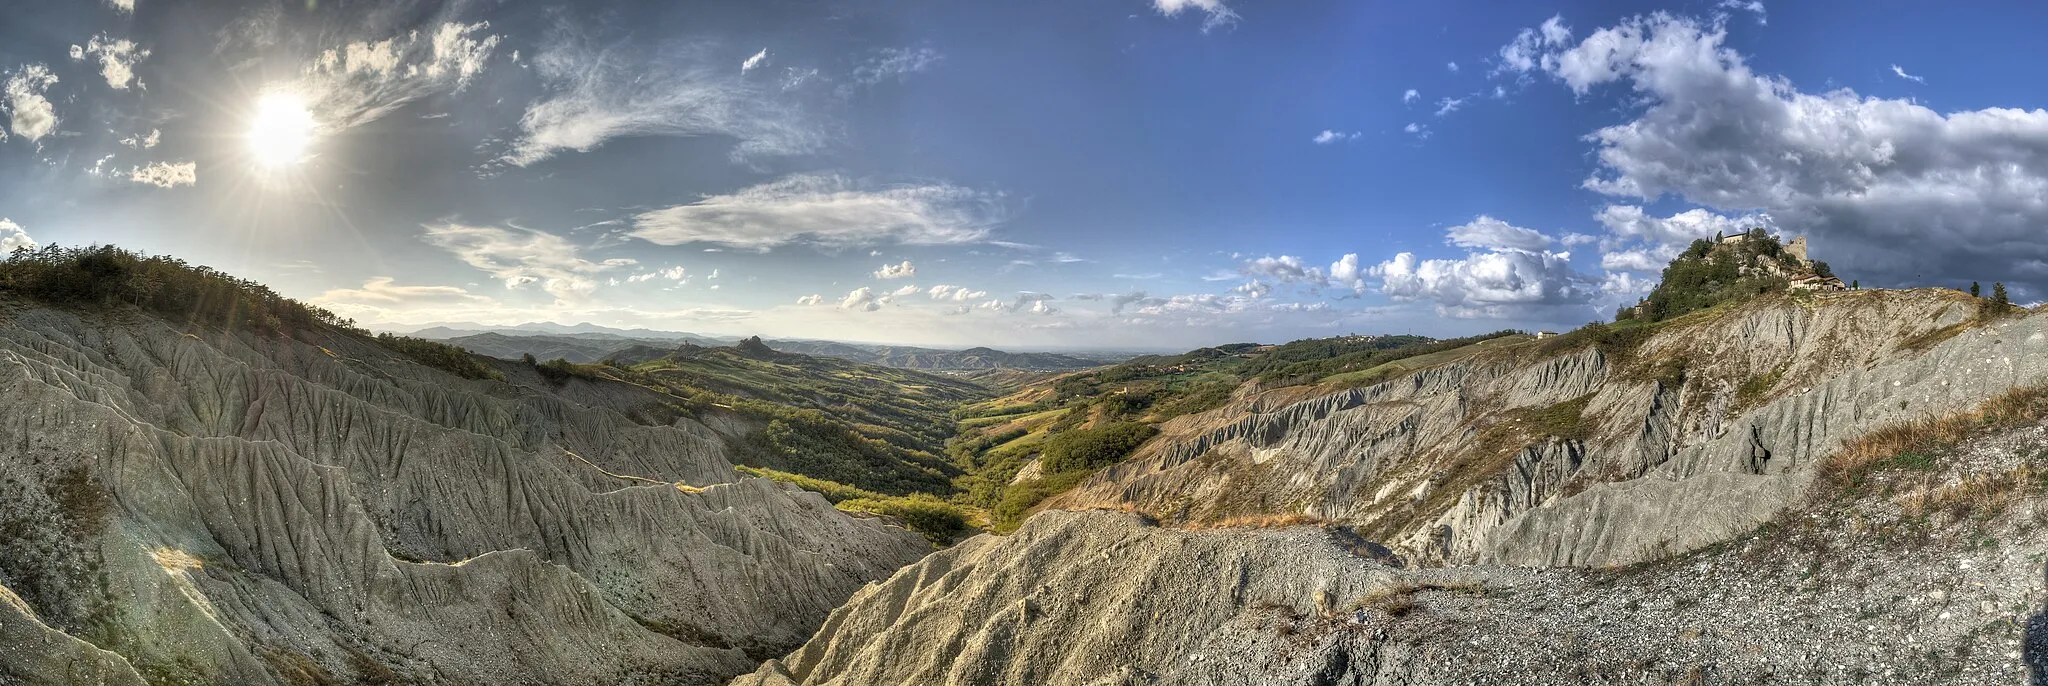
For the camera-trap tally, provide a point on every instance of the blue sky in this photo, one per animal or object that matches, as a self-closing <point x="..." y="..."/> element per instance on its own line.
<point x="1102" y="173"/>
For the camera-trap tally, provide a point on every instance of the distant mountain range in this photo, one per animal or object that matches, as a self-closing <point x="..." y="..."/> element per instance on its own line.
<point x="593" y="343"/>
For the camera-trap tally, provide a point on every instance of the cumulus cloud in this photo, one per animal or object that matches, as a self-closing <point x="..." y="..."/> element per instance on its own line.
<point x="897" y="271"/>
<point x="827" y="210"/>
<point x="361" y="81"/>
<point x="862" y="299"/>
<point x="599" y="91"/>
<point x="1452" y="66"/>
<point x="1885" y="187"/>
<point x="1526" y="50"/>
<point x="12" y="236"/>
<point x="117" y="58"/>
<point x="1410" y="96"/>
<point x="956" y="293"/>
<point x="384" y="291"/>
<point x="29" y="113"/>
<point x="1491" y="284"/>
<point x="1347" y="272"/>
<point x="906" y="291"/>
<point x="1215" y="12"/>
<point x="1327" y="137"/>
<point x="521" y="257"/>
<point x="165" y="174"/>
<point x="1418" y="130"/>
<point x="811" y="299"/>
<point x="754" y="62"/>
<point x="1493" y="234"/>
<point x="1448" y="105"/>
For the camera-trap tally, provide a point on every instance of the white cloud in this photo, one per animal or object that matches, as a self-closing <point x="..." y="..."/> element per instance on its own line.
<point x="166" y="174"/>
<point x="1327" y="137"/>
<point x="123" y="6"/>
<point x="827" y="210"/>
<point x="599" y="93"/>
<point x="1492" y="284"/>
<point x="1452" y="66"/>
<point x="1286" y="269"/>
<point x="1346" y="272"/>
<point x="117" y="56"/>
<point x="1556" y="33"/>
<point x="1885" y="189"/>
<point x="361" y="81"/>
<point x="811" y="299"/>
<point x="1410" y="96"/>
<point x="1253" y="289"/>
<point x="895" y="63"/>
<point x="384" y="290"/>
<point x="906" y="291"/>
<point x="1217" y="13"/>
<point x="956" y="293"/>
<point x="1448" y="105"/>
<point x="12" y="236"/>
<point x="897" y="271"/>
<point x="862" y="299"/>
<point x="676" y="274"/>
<point x="1493" y="234"/>
<point x="1418" y="130"/>
<point x="1043" y="307"/>
<point x="1526" y="50"/>
<point x="754" y="62"/>
<point x="1901" y="72"/>
<point x="143" y="142"/>
<point x="29" y="113"/>
<point x="521" y="257"/>
<point x="1755" y="7"/>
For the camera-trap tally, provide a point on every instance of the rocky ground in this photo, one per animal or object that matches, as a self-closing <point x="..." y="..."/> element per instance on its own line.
<point x="1928" y="573"/>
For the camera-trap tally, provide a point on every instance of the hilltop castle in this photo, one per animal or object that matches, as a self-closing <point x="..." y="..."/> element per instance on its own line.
<point x="1809" y="279"/>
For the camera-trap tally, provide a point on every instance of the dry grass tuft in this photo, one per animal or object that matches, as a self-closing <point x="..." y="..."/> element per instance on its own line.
<point x="1913" y="445"/>
<point x="1257" y="521"/>
<point x="1399" y="599"/>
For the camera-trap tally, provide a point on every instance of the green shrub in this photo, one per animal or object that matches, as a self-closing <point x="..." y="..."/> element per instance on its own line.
<point x="1091" y="449"/>
<point x="106" y="275"/>
<point x="939" y="521"/>
<point x="438" y="355"/>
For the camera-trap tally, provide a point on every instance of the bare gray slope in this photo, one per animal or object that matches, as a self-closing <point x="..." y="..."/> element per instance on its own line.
<point x="1707" y="428"/>
<point x="1106" y="599"/>
<point x="233" y="509"/>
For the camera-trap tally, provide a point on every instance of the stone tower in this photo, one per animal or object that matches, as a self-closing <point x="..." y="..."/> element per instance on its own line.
<point x="1797" y="248"/>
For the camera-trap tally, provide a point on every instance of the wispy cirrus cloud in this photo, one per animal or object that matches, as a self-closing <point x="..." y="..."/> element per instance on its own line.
<point x="827" y="210"/>
<point x="598" y="91"/>
<point x="521" y="257"/>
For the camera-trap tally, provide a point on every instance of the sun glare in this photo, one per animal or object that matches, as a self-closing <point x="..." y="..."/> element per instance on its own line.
<point x="281" y="131"/>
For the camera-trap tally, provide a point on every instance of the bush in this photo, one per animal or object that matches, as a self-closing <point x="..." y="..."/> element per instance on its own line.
<point x="1092" y="449"/>
<point x="939" y="521"/>
<point x="438" y="355"/>
<point x="106" y="275"/>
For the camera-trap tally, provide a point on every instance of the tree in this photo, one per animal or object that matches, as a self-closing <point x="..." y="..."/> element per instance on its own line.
<point x="1998" y="295"/>
<point x="1855" y="285"/>
<point x="1973" y="289"/>
<point x="528" y="359"/>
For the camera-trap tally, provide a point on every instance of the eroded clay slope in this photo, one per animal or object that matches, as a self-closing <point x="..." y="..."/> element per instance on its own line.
<point x="226" y="508"/>
<point x="1601" y="455"/>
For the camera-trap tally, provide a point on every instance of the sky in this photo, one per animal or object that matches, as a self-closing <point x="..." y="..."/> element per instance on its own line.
<point x="1135" y="174"/>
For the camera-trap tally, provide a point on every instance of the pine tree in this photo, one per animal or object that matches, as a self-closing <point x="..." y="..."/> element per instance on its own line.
<point x="1855" y="285"/>
<point x="1998" y="295"/>
<point x="1973" y="289"/>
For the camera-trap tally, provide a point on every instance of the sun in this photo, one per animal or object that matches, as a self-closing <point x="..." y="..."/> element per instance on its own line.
<point x="281" y="131"/>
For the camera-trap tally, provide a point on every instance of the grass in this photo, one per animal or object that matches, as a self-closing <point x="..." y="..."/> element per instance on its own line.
<point x="1928" y="340"/>
<point x="1915" y="445"/>
<point x="938" y="521"/>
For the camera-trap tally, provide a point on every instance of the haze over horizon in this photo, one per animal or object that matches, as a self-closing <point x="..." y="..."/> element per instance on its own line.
<point x="1137" y="174"/>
